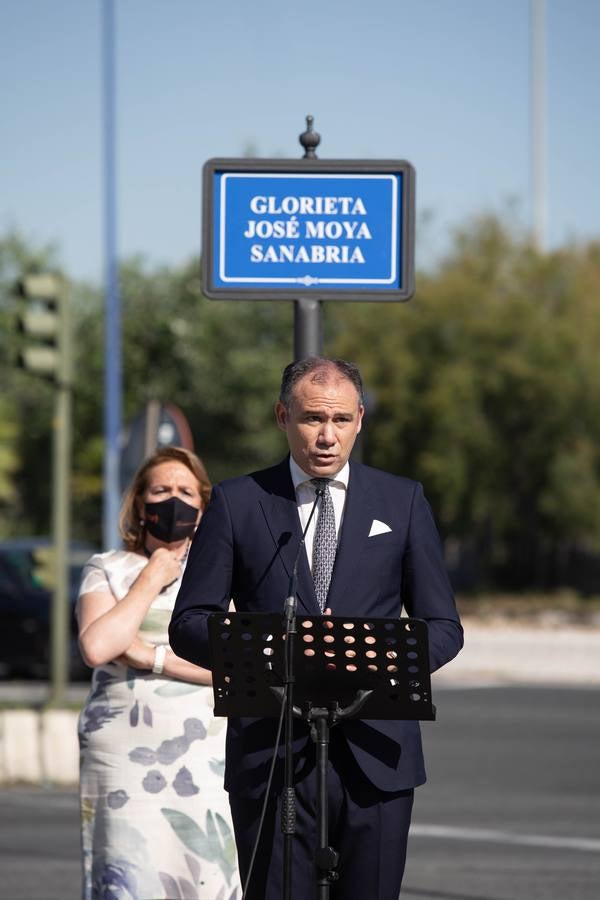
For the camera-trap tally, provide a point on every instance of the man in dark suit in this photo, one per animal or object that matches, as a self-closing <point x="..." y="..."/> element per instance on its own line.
<point x="386" y="556"/>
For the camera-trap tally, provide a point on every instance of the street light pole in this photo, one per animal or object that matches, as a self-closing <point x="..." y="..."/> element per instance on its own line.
<point x="538" y="122"/>
<point x="112" y="321"/>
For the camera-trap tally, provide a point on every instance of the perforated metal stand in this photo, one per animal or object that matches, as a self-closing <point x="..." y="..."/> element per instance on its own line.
<point x="342" y="666"/>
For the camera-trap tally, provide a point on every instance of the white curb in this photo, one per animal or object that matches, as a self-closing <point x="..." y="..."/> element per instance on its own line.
<point x="59" y="750"/>
<point x="19" y="746"/>
<point x="38" y="747"/>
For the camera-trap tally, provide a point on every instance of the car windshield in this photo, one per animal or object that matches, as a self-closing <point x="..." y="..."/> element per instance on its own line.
<point x="22" y="568"/>
<point x="31" y="568"/>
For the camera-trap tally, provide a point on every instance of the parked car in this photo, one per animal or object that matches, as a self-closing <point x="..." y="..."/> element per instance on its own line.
<point x="26" y="575"/>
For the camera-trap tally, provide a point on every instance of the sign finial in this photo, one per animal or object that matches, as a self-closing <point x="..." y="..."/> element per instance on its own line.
<point x="310" y="139"/>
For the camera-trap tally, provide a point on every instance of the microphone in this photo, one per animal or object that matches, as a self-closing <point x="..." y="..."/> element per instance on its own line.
<point x="289" y="607"/>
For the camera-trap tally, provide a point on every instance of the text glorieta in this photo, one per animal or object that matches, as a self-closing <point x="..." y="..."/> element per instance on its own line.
<point x="315" y="229"/>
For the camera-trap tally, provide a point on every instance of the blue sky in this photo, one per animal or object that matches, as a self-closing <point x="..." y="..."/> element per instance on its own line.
<point x="442" y="83"/>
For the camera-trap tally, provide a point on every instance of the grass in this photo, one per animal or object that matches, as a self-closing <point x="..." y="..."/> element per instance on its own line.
<point x="36" y="706"/>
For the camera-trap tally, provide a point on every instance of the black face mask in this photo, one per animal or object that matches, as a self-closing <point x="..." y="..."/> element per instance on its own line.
<point x="171" y="520"/>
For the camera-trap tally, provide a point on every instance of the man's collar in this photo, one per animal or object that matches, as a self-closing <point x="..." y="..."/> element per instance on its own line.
<point x="299" y="476"/>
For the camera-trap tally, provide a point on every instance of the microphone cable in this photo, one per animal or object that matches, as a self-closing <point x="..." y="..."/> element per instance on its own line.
<point x="319" y="492"/>
<point x="291" y="597"/>
<point x="267" y="792"/>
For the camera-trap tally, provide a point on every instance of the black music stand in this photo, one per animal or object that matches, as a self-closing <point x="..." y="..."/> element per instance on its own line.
<point x="342" y="666"/>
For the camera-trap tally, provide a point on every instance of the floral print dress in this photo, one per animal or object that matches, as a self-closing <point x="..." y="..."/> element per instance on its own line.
<point x="155" y="817"/>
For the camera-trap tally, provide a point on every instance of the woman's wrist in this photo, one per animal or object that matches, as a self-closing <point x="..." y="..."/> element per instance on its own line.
<point x="151" y="578"/>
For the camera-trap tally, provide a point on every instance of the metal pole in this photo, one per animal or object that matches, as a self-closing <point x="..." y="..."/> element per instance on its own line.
<point x="538" y="123"/>
<point x="61" y="505"/>
<point x="153" y="410"/>
<point x="308" y="338"/>
<point x="322" y="753"/>
<point x="288" y="798"/>
<point x="112" y="323"/>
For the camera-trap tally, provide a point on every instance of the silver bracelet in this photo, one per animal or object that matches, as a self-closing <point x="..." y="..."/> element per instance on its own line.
<point x="160" y="651"/>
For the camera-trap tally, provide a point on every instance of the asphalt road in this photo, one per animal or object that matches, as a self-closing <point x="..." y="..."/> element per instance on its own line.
<point x="511" y="810"/>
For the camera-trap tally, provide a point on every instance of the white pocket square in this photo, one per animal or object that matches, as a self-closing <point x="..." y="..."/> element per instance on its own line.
<point x="378" y="528"/>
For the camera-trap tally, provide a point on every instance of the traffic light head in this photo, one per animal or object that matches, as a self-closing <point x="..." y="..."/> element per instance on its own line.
<point x="39" y="321"/>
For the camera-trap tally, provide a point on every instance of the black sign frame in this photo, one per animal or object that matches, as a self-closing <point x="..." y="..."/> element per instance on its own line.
<point x="303" y="167"/>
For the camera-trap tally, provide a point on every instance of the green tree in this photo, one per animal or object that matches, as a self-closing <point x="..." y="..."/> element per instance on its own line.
<point x="485" y="386"/>
<point x="220" y="362"/>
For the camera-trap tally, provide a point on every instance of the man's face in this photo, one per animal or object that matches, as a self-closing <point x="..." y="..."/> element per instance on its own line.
<point x="321" y="424"/>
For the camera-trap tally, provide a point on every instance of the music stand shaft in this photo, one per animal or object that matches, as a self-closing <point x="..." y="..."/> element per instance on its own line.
<point x="326" y="858"/>
<point x="288" y="798"/>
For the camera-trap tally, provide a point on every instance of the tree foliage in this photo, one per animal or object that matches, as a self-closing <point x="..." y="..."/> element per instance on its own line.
<point x="485" y="386"/>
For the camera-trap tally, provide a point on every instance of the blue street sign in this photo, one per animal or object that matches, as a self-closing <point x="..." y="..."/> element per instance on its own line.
<point x="277" y="229"/>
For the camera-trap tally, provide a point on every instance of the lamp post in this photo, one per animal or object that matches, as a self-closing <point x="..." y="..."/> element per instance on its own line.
<point x="112" y="316"/>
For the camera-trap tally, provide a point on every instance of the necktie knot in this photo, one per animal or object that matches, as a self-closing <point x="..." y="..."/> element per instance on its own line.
<point x="320" y="484"/>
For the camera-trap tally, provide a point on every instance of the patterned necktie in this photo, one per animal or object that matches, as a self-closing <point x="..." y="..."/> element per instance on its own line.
<point x="324" y="543"/>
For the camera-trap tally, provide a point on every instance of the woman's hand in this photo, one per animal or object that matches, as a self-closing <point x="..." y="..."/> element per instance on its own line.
<point x="107" y="628"/>
<point x="164" y="567"/>
<point x="139" y="655"/>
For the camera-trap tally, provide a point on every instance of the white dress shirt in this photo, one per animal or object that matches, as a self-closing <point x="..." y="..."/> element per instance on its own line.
<point x="305" y="497"/>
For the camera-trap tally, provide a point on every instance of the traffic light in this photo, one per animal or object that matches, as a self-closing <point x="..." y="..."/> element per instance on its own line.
<point x="44" y="321"/>
<point x="41" y="321"/>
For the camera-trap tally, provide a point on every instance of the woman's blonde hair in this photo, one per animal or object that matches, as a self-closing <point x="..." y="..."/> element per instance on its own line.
<point x="131" y="527"/>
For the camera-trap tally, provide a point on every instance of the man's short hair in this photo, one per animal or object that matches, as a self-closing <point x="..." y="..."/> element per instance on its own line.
<point x="322" y="368"/>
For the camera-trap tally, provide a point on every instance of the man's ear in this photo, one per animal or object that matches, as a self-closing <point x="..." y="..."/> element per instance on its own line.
<point x="281" y="415"/>
<point x="361" y="412"/>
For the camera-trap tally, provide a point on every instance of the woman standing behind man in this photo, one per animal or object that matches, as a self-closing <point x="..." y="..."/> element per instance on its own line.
<point x="155" y="819"/>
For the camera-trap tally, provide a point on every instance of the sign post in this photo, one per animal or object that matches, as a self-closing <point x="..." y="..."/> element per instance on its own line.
<point x="308" y="230"/>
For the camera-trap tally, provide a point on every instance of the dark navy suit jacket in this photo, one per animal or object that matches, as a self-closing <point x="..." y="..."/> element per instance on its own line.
<point x="244" y="550"/>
